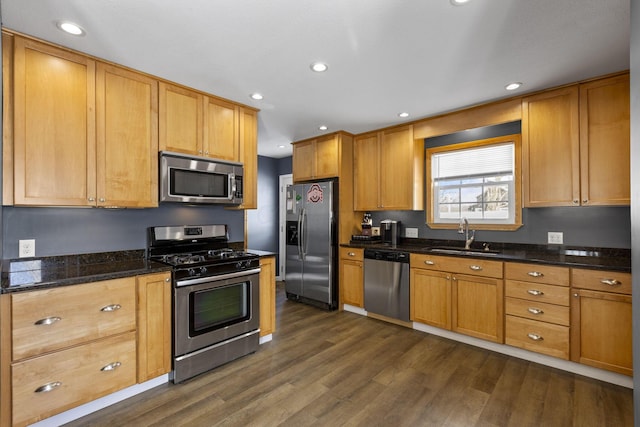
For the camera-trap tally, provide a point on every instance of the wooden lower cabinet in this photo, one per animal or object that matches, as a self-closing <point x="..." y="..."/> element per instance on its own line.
<point x="267" y="295"/>
<point x="46" y="385"/>
<point x="352" y="276"/>
<point x="154" y="325"/>
<point x="431" y="298"/>
<point x="601" y="319"/>
<point x="478" y="307"/>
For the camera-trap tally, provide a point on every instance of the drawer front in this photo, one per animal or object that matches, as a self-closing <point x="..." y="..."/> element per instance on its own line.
<point x="74" y="376"/>
<point x="540" y="337"/>
<point x="461" y="265"/>
<point x="538" y="292"/>
<point x="352" y="253"/>
<point x="57" y="318"/>
<point x="537" y="311"/>
<point x="537" y="273"/>
<point x="600" y="280"/>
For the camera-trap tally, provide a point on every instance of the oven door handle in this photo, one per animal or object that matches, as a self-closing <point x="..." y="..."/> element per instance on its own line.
<point x="233" y="275"/>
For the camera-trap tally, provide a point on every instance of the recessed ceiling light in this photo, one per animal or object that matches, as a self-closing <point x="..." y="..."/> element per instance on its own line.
<point x="319" y="67"/>
<point x="70" y="28"/>
<point x="323" y="127"/>
<point x="513" y="86"/>
<point x="257" y="96"/>
<point x="403" y="114"/>
<point x="459" y="2"/>
<point x="281" y="146"/>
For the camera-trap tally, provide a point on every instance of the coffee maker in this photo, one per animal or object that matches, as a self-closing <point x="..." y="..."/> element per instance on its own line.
<point x="390" y="232"/>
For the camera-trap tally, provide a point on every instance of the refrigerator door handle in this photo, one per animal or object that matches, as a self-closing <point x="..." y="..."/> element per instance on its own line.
<point x="300" y="234"/>
<point x="305" y="242"/>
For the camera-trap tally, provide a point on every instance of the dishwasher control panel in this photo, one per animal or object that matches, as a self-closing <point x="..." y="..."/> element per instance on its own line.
<point x="386" y="255"/>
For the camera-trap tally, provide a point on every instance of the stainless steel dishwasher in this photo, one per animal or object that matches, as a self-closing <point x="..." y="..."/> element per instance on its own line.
<point x="386" y="283"/>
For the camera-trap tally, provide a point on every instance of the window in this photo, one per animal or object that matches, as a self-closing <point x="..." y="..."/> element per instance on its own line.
<point x="478" y="180"/>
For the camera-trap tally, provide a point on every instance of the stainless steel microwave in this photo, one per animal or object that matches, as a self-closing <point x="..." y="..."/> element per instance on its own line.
<point x="199" y="180"/>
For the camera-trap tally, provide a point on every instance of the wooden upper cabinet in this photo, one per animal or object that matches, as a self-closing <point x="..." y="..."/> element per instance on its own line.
<point x="221" y="130"/>
<point x="551" y="148"/>
<point x="388" y="171"/>
<point x="180" y="120"/>
<point x="605" y="141"/>
<point x="127" y="138"/>
<point x="576" y="145"/>
<point x="54" y="126"/>
<point x="249" y="157"/>
<point x="316" y="158"/>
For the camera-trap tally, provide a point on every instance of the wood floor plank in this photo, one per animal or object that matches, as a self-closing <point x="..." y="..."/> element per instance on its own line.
<point x="342" y="369"/>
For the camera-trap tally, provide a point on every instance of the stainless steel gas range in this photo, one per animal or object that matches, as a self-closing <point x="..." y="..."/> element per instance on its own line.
<point x="215" y="296"/>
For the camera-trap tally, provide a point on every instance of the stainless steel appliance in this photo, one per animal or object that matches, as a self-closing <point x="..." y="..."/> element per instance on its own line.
<point x="199" y="180"/>
<point x="386" y="283"/>
<point x="215" y="296"/>
<point x="390" y="232"/>
<point x="311" y="274"/>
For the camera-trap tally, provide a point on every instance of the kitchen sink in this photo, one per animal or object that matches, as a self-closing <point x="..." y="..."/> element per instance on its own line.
<point x="461" y="251"/>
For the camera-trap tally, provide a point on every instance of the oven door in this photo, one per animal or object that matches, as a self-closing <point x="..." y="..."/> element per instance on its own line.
<point x="214" y="309"/>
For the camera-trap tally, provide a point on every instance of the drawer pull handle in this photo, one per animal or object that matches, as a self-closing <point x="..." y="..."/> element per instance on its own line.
<point x="111" y="366"/>
<point x="351" y="254"/>
<point x="533" y="310"/>
<point x="611" y="282"/>
<point x="475" y="267"/>
<point x="48" y="387"/>
<point x="429" y="262"/>
<point x="111" y="307"/>
<point x="535" y="274"/>
<point x="535" y="292"/>
<point x="535" y="337"/>
<point x="48" y="320"/>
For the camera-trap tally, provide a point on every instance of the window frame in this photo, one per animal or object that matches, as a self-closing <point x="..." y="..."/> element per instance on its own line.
<point x="517" y="183"/>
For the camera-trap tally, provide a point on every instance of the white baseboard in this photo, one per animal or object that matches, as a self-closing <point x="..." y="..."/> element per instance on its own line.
<point x="266" y="338"/>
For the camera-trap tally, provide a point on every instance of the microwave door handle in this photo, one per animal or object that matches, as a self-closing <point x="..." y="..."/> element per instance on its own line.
<point x="232" y="186"/>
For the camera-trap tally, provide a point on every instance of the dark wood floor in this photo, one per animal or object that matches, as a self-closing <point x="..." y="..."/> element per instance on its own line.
<point x="334" y="369"/>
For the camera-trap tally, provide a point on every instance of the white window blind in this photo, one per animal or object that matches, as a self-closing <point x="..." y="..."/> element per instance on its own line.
<point x="473" y="162"/>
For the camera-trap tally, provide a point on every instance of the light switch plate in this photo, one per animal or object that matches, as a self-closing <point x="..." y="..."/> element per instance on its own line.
<point x="554" y="237"/>
<point x="26" y="248"/>
<point x="411" y="232"/>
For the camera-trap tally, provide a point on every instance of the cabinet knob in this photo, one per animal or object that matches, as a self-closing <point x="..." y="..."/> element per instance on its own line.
<point x="48" y="320"/>
<point x="535" y="337"/>
<point x="111" y="366"/>
<point x="585" y="201"/>
<point x="111" y="307"/>
<point x="92" y="199"/>
<point x="576" y="202"/>
<point x="535" y="292"/>
<point x="535" y="274"/>
<point x="167" y="279"/>
<point x="611" y="282"/>
<point x="48" y="387"/>
<point x="102" y="200"/>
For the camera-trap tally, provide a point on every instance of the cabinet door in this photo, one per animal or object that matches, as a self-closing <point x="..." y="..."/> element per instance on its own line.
<point x="127" y="143"/>
<point x="249" y="155"/>
<point x="478" y="307"/>
<point x="221" y="130"/>
<point x="54" y="99"/>
<point x="303" y="161"/>
<point x="396" y="169"/>
<point x="550" y="142"/>
<point x="605" y="142"/>
<point x="352" y="282"/>
<point x="180" y="113"/>
<point x="327" y="155"/>
<point x="601" y="330"/>
<point x="431" y="297"/>
<point x="267" y="295"/>
<point x="154" y="325"/>
<point x="366" y="178"/>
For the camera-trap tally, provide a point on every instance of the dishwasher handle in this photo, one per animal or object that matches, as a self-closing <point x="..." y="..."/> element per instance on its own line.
<point x="387" y="255"/>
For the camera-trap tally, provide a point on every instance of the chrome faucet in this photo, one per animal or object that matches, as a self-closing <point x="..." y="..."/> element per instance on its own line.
<point x="464" y="229"/>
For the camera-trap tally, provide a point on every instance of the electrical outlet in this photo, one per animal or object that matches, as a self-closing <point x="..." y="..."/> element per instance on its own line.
<point x="411" y="232"/>
<point x="26" y="248"/>
<point x="554" y="237"/>
<point x="375" y="231"/>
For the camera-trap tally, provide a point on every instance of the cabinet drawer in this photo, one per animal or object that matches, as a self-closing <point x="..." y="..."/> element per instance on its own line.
<point x="538" y="273"/>
<point x="57" y="318"/>
<point x="540" y="337"/>
<point x="462" y="265"/>
<point x="75" y="376"/>
<point x="537" y="311"/>
<point x="600" y="280"/>
<point x="537" y="292"/>
<point x="352" y="253"/>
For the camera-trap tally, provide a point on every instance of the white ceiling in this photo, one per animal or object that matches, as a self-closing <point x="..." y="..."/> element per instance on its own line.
<point x="385" y="56"/>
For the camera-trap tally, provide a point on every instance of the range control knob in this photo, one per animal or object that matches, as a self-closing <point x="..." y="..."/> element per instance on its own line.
<point x="191" y="272"/>
<point x="203" y="270"/>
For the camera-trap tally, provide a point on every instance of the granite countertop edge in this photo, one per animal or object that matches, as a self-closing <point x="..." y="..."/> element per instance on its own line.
<point x="614" y="259"/>
<point x="27" y="274"/>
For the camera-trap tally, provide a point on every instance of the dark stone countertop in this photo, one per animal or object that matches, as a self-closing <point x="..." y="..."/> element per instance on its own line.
<point x="615" y="259"/>
<point x="24" y="274"/>
<point x="261" y="253"/>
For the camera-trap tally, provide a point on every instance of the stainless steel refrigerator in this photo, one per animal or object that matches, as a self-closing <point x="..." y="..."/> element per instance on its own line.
<point x="311" y="272"/>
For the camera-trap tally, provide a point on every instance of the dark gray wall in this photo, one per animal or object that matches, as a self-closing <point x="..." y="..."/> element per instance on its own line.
<point x="64" y="231"/>
<point x="635" y="198"/>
